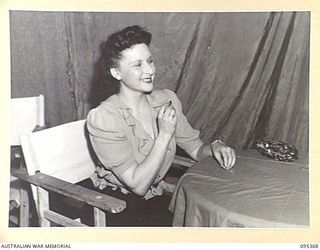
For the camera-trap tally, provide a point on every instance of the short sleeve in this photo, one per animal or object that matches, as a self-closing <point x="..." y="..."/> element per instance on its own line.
<point x="109" y="141"/>
<point x="186" y="137"/>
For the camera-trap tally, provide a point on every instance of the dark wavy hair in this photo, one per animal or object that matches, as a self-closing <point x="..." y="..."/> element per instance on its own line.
<point x="103" y="83"/>
<point x="121" y="40"/>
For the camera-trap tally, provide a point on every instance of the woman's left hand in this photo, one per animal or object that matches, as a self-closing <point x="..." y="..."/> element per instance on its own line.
<point x="224" y="154"/>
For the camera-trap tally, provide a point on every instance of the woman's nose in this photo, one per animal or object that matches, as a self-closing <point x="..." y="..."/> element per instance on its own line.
<point x="148" y="68"/>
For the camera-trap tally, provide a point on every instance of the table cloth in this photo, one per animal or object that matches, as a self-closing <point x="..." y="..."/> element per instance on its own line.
<point x="258" y="192"/>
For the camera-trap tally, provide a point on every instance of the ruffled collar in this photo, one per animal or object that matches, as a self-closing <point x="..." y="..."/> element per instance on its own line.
<point x="156" y="100"/>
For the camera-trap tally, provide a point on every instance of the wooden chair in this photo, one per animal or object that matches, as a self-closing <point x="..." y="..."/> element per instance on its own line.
<point x="27" y="115"/>
<point x="56" y="159"/>
<point x="60" y="156"/>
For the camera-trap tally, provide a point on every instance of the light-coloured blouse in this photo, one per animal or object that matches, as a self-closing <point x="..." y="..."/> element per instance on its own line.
<point x="120" y="140"/>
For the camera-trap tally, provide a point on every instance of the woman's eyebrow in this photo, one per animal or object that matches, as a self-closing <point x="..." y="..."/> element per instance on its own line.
<point x="139" y="60"/>
<point x="135" y="61"/>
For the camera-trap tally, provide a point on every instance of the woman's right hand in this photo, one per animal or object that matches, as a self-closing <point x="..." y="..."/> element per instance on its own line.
<point x="167" y="120"/>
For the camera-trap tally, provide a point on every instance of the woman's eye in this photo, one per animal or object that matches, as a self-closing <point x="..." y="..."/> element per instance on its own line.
<point x="150" y="61"/>
<point x="137" y="65"/>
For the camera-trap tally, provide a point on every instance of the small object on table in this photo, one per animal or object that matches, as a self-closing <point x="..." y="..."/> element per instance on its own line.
<point x="277" y="150"/>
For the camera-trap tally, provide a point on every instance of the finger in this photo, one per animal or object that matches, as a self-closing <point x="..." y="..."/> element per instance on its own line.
<point x="169" y="113"/>
<point x="161" y="111"/>
<point x="167" y="105"/>
<point x="172" y="112"/>
<point x="217" y="155"/>
<point x="170" y="118"/>
<point x="234" y="157"/>
<point x="230" y="157"/>
<point x="225" y="157"/>
<point x="175" y="119"/>
<point x="168" y="109"/>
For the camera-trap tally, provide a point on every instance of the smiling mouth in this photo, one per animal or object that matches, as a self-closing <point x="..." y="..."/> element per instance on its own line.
<point x="147" y="80"/>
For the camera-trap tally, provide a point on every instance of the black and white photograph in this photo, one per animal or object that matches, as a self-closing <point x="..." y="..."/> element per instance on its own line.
<point x="159" y="119"/>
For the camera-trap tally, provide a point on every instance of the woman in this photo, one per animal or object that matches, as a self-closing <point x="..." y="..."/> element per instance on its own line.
<point x="134" y="132"/>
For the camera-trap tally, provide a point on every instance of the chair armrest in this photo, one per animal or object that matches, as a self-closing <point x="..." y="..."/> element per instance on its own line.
<point x="179" y="163"/>
<point x="91" y="197"/>
<point x="183" y="161"/>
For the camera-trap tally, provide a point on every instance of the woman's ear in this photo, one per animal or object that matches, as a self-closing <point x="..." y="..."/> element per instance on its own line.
<point x="115" y="73"/>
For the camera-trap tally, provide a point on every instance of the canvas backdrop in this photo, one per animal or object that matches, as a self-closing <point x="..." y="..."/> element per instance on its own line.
<point x="240" y="76"/>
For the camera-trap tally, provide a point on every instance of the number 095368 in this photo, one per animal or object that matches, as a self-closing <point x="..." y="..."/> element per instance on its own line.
<point x="308" y="246"/>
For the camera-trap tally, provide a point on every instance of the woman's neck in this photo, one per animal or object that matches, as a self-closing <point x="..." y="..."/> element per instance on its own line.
<point x="141" y="108"/>
<point x="134" y="99"/>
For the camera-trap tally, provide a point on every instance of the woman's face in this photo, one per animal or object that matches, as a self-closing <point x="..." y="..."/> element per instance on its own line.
<point x="136" y="69"/>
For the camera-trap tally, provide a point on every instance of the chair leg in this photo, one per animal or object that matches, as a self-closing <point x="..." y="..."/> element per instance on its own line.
<point x="99" y="217"/>
<point x="42" y="204"/>
<point x="24" y="207"/>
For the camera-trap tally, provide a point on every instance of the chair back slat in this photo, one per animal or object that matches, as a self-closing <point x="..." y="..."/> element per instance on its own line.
<point x="62" y="152"/>
<point x="26" y="114"/>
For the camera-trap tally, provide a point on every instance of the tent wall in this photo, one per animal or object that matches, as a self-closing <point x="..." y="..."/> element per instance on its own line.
<point x="240" y="76"/>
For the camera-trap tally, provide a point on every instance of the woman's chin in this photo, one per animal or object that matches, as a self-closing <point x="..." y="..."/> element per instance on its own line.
<point x="148" y="87"/>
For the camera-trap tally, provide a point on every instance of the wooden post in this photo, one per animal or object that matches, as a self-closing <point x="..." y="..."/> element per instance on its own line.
<point x="24" y="206"/>
<point x="43" y="205"/>
<point x="99" y="217"/>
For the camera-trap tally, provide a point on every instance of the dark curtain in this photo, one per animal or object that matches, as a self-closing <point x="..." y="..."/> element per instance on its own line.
<point x="240" y="76"/>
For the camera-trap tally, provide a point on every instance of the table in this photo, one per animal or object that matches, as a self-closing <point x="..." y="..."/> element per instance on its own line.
<point x="257" y="193"/>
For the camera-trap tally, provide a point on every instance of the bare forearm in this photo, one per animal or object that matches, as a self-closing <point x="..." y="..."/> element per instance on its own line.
<point x="203" y="152"/>
<point x="139" y="178"/>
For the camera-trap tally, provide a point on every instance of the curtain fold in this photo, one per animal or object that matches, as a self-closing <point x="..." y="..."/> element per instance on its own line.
<point x="240" y="76"/>
<point x="263" y="94"/>
<point x="38" y="62"/>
